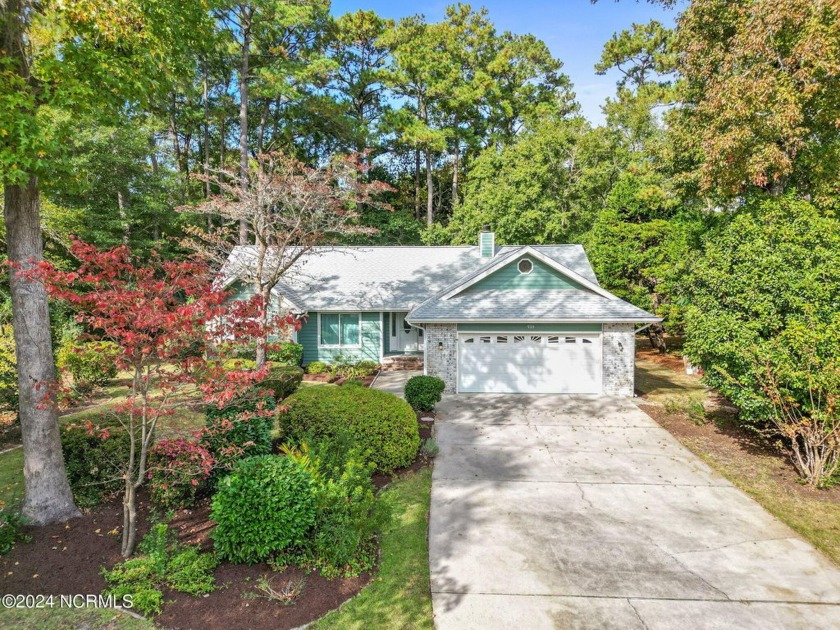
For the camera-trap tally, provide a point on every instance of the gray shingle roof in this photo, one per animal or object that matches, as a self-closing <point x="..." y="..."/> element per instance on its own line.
<point x="527" y="305"/>
<point x="388" y="278"/>
<point x="401" y="278"/>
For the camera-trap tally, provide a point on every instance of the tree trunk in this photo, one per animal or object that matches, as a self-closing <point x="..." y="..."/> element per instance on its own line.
<point x="47" y="495"/>
<point x="262" y="339"/>
<point x="456" y="164"/>
<point x="417" y="184"/>
<point x="129" y="535"/>
<point x="123" y="217"/>
<point x="430" y="190"/>
<point x="243" y="118"/>
<point x="207" y="148"/>
<point x="656" y="334"/>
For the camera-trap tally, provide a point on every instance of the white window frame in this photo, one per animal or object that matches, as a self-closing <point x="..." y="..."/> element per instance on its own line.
<point x="339" y="344"/>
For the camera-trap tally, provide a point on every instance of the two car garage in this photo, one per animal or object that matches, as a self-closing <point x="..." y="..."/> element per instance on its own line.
<point x="530" y="363"/>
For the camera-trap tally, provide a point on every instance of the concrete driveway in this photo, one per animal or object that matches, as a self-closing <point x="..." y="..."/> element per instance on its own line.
<point x="568" y="512"/>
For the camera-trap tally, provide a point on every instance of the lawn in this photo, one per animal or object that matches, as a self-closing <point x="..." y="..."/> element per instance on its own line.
<point x="744" y="458"/>
<point x="59" y="619"/>
<point x="400" y="595"/>
<point x="11" y="476"/>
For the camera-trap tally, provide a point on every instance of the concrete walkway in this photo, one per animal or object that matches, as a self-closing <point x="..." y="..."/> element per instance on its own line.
<point x="394" y="382"/>
<point x="562" y="512"/>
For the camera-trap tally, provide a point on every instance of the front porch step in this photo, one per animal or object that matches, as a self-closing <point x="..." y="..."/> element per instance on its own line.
<point x="402" y="362"/>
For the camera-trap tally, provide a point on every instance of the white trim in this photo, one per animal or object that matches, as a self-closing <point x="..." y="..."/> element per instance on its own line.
<point x="519" y="268"/>
<point x="381" y="337"/>
<point x="528" y="250"/>
<point x="340" y="345"/>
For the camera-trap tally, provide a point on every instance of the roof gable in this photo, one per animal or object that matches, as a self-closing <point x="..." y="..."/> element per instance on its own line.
<point x="540" y="277"/>
<point x="501" y="263"/>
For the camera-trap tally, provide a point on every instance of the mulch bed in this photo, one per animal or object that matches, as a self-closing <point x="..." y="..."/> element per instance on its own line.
<point x="66" y="558"/>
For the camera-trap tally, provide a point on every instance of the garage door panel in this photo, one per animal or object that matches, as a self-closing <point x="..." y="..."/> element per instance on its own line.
<point x="519" y="363"/>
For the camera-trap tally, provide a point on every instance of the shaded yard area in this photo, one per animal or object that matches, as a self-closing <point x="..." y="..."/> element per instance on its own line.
<point x="748" y="460"/>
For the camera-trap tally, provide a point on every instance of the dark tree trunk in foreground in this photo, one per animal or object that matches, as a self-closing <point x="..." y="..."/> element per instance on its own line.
<point x="47" y="495"/>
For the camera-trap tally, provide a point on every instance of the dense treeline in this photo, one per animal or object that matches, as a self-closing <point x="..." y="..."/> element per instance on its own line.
<point x="115" y="113"/>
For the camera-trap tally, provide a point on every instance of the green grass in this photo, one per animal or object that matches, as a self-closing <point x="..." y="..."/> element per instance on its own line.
<point x="399" y="595"/>
<point x="11" y="476"/>
<point x="660" y="384"/>
<point x="61" y="618"/>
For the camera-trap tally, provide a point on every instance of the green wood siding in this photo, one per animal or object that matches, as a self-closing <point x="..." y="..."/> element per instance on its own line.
<point x="486" y="241"/>
<point x="542" y="328"/>
<point x="371" y="334"/>
<point x="542" y="277"/>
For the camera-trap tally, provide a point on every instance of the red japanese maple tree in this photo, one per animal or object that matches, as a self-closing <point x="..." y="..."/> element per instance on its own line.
<point x="162" y="315"/>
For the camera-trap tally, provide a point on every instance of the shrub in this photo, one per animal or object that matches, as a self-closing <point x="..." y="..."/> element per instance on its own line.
<point x="763" y="325"/>
<point x="424" y="392"/>
<point x="265" y="506"/>
<point x="238" y="430"/>
<point x="367" y="368"/>
<point x="378" y="421"/>
<point x="429" y="449"/>
<point x="317" y="367"/>
<point x="286" y="353"/>
<point x="8" y="372"/>
<point x="177" y="469"/>
<point x="91" y="364"/>
<point x="11" y="527"/>
<point x="283" y="380"/>
<point x="94" y="458"/>
<point x="163" y="563"/>
<point x="349" y="515"/>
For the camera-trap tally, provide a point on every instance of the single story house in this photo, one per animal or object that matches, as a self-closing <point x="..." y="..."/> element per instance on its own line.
<point x="484" y="318"/>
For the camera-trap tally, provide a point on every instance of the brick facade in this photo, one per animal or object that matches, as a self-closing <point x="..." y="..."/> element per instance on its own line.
<point x="442" y="354"/>
<point x="619" y="348"/>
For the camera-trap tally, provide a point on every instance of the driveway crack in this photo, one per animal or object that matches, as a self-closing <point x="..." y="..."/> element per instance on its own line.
<point x="638" y="616"/>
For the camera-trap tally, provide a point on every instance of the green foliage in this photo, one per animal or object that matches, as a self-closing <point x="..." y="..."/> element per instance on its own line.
<point x="283" y="380"/>
<point x="265" y="506"/>
<point x="763" y="317"/>
<point x="286" y="353"/>
<point x="348" y="517"/>
<point x="424" y="392"/>
<point x="8" y="371"/>
<point x="11" y="527"/>
<point x="429" y="449"/>
<point x="240" y="429"/>
<point x="317" y="367"/>
<point x="367" y="368"/>
<point x="774" y="265"/>
<point x="95" y="459"/>
<point x="91" y="364"/>
<point x="162" y="563"/>
<point x="520" y="192"/>
<point x="379" y="422"/>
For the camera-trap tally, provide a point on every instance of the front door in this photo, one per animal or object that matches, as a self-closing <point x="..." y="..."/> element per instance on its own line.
<point x="404" y="337"/>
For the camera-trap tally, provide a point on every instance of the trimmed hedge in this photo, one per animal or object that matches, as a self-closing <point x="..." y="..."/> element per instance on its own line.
<point x="424" y="392"/>
<point x="265" y="505"/>
<point x="379" y="422"/>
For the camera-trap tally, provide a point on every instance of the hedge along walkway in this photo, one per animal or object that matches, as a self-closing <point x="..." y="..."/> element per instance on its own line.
<point x="399" y="596"/>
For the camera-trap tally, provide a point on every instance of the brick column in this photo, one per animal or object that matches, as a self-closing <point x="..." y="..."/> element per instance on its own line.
<point x="619" y="347"/>
<point x="442" y="354"/>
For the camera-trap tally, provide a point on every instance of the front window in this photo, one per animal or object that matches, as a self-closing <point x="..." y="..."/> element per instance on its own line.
<point x="340" y="329"/>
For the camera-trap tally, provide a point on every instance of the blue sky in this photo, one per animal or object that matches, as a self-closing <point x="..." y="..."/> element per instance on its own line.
<point x="574" y="30"/>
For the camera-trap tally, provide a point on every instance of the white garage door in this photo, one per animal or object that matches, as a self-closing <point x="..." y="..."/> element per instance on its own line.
<point x="529" y="363"/>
